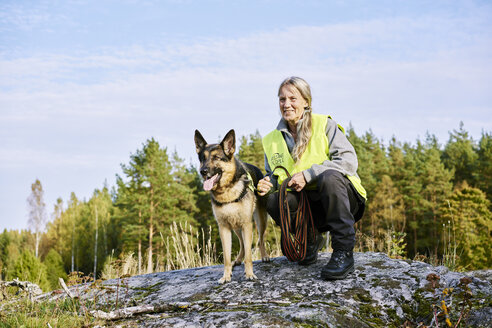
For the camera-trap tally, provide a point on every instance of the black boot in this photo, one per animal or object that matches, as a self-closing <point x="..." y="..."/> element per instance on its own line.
<point x="312" y="249"/>
<point x="340" y="265"/>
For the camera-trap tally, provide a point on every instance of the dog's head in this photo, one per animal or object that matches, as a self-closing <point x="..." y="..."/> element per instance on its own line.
<point x="215" y="159"/>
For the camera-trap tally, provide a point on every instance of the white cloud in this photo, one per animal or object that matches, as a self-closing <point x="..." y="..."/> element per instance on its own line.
<point x="85" y="112"/>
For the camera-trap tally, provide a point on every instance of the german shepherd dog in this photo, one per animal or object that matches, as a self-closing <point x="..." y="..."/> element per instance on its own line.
<point x="234" y="201"/>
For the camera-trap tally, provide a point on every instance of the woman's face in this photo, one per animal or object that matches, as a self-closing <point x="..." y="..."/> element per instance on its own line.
<point x="291" y="104"/>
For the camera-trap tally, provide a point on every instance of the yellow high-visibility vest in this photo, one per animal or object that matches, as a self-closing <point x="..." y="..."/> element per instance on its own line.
<point x="317" y="151"/>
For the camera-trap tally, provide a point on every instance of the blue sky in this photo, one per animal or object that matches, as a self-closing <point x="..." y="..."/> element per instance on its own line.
<point x="83" y="84"/>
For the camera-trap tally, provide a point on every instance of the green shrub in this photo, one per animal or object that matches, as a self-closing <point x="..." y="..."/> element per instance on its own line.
<point x="54" y="268"/>
<point x="29" y="267"/>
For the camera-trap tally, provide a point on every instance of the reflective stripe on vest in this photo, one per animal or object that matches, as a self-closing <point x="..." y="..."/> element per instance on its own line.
<point x="317" y="152"/>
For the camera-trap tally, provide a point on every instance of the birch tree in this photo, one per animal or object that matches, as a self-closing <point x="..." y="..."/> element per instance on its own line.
<point x="37" y="212"/>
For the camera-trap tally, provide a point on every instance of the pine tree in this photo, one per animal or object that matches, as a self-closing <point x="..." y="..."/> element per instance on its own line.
<point x="460" y="155"/>
<point x="100" y="208"/>
<point x="483" y="172"/>
<point x="388" y="212"/>
<point x="72" y="226"/>
<point x="4" y="253"/>
<point x="204" y="216"/>
<point x="130" y="205"/>
<point x="155" y="194"/>
<point x="467" y="214"/>
<point x="436" y="187"/>
<point x="251" y="150"/>
<point x="373" y="165"/>
<point x="410" y="187"/>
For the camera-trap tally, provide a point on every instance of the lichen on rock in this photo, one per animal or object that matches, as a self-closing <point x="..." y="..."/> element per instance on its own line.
<point x="382" y="292"/>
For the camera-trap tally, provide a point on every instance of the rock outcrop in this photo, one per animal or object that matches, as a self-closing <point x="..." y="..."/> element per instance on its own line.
<point x="382" y="292"/>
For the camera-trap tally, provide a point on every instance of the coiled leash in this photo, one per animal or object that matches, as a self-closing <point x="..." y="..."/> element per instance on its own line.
<point x="294" y="243"/>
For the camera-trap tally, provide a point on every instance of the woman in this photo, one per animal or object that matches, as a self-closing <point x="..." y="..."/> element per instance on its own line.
<point x="321" y="160"/>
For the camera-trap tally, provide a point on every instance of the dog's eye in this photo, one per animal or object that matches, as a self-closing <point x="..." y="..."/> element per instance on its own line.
<point x="216" y="158"/>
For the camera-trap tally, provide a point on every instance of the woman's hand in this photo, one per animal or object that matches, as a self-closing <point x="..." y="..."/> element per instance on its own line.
<point x="297" y="182"/>
<point x="264" y="186"/>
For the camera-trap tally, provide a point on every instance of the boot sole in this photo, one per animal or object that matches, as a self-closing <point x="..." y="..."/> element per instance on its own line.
<point x="343" y="275"/>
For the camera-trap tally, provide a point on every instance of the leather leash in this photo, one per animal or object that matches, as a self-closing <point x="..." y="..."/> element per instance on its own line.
<point x="294" y="243"/>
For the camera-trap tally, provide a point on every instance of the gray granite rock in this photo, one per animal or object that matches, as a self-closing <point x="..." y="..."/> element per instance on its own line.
<point x="382" y="292"/>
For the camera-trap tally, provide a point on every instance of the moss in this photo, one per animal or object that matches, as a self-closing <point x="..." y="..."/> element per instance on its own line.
<point x="395" y="319"/>
<point x="417" y="278"/>
<point x="379" y="265"/>
<point x="145" y="291"/>
<point x="386" y="283"/>
<point x="359" y="294"/>
<point x="343" y="320"/>
<point x="342" y="311"/>
<point x="294" y="298"/>
<point x="271" y="320"/>
<point x="372" y="314"/>
<point x="198" y="297"/>
<point x="331" y="304"/>
<point x="305" y="325"/>
<point x="310" y="322"/>
<point x="422" y="309"/>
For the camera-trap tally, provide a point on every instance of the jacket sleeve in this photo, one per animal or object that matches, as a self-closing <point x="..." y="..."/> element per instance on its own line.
<point x="341" y="153"/>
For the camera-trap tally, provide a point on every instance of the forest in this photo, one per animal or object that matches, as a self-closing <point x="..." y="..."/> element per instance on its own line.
<point x="426" y="201"/>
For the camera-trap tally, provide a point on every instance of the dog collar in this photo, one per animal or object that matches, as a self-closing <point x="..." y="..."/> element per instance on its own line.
<point x="241" y="196"/>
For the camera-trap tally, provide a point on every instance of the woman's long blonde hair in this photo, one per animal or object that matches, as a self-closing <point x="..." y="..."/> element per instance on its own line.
<point x="304" y="124"/>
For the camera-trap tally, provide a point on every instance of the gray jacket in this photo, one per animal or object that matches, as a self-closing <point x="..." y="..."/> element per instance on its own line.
<point x="342" y="153"/>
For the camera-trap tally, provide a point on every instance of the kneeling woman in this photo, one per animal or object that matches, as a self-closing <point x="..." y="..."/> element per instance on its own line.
<point x="321" y="160"/>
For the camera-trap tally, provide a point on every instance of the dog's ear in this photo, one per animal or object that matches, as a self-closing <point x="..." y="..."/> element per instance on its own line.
<point x="229" y="143"/>
<point x="200" y="142"/>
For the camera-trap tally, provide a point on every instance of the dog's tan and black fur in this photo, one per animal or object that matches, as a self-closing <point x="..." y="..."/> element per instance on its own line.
<point x="234" y="203"/>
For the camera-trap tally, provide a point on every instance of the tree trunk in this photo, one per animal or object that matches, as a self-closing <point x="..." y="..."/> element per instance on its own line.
<point x="73" y="245"/>
<point x="139" y="242"/>
<point x="95" y="246"/>
<point x="151" y="231"/>
<point x="37" y="243"/>
<point x="414" y="236"/>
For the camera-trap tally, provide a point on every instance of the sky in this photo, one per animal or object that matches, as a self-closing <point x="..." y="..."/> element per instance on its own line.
<point x="84" y="84"/>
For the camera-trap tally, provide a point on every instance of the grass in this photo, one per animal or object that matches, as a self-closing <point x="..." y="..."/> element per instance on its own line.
<point x="185" y="248"/>
<point x="62" y="313"/>
<point x="391" y="243"/>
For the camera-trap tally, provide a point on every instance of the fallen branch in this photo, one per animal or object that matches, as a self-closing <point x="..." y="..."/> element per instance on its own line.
<point x="179" y="306"/>
<point x="129" y="312"/>
<point x="65" y="288"/>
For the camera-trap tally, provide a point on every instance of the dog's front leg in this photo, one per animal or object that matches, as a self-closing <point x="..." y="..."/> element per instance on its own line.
<point x="240" y="256"/>
<point x="247" y="232"/>
<point x="225" y="238"/>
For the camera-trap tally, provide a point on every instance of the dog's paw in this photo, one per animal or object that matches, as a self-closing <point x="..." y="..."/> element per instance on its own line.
<point x="265" y="259"/>
<point x="236" y="263"/>
<point x="224" y="279"/>
<point x="251" y="276"/>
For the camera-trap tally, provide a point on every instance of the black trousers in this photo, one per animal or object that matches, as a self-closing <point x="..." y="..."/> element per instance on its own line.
<point x="335" y="206"/>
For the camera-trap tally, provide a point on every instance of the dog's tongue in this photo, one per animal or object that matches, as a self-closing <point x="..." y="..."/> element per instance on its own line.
<point x="208" y="184"/>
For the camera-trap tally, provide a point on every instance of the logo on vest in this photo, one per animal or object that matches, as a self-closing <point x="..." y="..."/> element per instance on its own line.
<point x="277" y="159"/>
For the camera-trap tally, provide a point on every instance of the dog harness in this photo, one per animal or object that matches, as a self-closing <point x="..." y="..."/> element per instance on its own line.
<point x="243" y="193"/>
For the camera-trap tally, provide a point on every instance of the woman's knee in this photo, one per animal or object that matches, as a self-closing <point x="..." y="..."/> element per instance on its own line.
<point x="329" y="179"/>
<point x="273" y="205"/>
